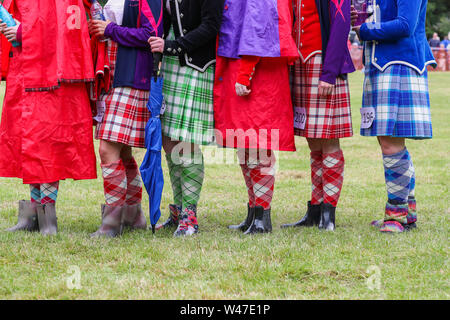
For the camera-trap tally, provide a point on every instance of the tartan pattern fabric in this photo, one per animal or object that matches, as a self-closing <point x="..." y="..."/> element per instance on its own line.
<point x="188" y="94"/>
<point x="49" y="192"/>
<point x="332" y="176"/>
<point x="261" y="179"/>
<point x="192" y="175"/>
<point x="248" y="183"/>
<point x="316" y="178"/>
<point x="44" y="193"/>
<point x="401" y="100"/>
<point x="175" y="180"/>
<point x="35" y="193"/>
<point x="114" y="183"/>
<point x="326" y="118"/>
<point x="126" y="112"/>
<point x="134" y="182"/>
<point x="398" y="172"/>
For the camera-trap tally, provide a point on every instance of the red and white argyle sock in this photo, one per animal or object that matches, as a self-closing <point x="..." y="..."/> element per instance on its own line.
<point x="332" y="176"/>
<point x="249" y="184"/>
<point x="114" y="183"/>
<point x="316" y="178"/>
<point x="49" y="192"/>
<point x="262" y="174"/>
<point x="134" y="182"/>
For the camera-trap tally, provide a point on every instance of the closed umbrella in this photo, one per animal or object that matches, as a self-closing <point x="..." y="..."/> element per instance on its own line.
<point x="151" y="170"/>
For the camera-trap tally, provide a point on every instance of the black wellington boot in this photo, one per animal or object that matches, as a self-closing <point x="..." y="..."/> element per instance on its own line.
<point x="311" y="218"/>
<point x="27" y="220"/>
<point x="327" y="217"/>
<point x="244" y="225"/>
<point x="261" y="222"/>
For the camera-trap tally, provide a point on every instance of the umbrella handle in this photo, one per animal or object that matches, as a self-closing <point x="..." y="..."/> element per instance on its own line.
<point x="157" y="59"/>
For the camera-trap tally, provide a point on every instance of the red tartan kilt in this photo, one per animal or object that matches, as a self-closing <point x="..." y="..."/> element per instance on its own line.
<point x="326" y="118"/>
<point x="126" y="112"/>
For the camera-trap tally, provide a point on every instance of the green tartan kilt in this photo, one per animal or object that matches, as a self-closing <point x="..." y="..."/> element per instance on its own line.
<point x="188" y="95"/>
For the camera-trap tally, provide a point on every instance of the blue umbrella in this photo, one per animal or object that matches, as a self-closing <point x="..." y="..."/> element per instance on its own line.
<point x="151" y="170"/>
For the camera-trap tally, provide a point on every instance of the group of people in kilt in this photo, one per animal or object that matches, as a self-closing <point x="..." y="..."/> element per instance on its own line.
<point x="235" y="75"/>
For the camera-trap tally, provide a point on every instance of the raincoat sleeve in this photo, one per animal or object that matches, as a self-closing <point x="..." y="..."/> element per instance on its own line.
<point x="247" y="69"/>
<point x="337" y="43"/>
<point x="130" y="37"/>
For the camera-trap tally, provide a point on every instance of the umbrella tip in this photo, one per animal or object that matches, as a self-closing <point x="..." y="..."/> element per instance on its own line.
<point x="153" y="228"/>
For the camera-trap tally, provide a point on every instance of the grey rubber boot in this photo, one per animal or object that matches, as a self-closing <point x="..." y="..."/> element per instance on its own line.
<point x="27" y="220"/>
<point x="112" y="222"/>
<point x="47" y="219"/>
<point x="134" y="217"/>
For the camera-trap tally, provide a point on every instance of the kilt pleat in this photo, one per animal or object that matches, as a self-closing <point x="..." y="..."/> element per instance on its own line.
<point x="326" y="118"/>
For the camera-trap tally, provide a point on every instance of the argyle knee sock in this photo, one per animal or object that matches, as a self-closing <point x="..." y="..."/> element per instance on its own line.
<point x="114" y="183"/>
<point x="192" y="175"/>
<point x="248" y="182"/>
<point x="332" y="176"/>
<point x="175" y="180"/>
<point x="412" y="212"/>
<point x="49" y="192"/>
<point x="316" y="178"/>
<point x="35" y="193"/>
<point x="398" y="175"/>
<point x="262" y="174"/>
<point x="134" y="182"/>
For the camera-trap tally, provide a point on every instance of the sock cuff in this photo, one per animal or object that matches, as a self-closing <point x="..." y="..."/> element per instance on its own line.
<point x="113" y="169"/>
<point x="333" y="159"/>
<point x="404" y="154"/>
<point x="316" y="155"/>
<point x="130" y="163"/>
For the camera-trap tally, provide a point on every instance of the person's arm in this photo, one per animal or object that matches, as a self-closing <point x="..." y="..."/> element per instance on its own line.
<point x="247" y="69"/>
<point x="401" y="27"/>
<point x="130" y="37"/>
<point x="211" y="12"/>
<point x="337" y="43"/>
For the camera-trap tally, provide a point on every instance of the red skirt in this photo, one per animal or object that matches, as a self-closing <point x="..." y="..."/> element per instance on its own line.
<point x="263" y="119"/>
<point x="45" y="136"/>
<point x="326" y="118"/>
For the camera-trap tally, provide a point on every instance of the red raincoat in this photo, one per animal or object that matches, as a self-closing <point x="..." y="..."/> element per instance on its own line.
<point x="46" y="126"/>
<point x="264" y="119"/>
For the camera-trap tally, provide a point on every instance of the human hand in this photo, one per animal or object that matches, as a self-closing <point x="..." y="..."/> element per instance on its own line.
<point x="325" y="89"/>
<point x="156" y="44"/>
<point x="97" y="28"/>
<point x="242" y="90"/>
<point x="353" y="15"/>
<point x="3" y="26"/>
<point x="11" y="32"/>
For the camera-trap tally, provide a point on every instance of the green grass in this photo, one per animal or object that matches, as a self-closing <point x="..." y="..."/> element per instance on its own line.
<point x="220" y="264"/>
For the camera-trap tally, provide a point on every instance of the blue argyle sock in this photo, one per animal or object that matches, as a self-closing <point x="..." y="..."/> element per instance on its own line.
<point x="398" y="172"/>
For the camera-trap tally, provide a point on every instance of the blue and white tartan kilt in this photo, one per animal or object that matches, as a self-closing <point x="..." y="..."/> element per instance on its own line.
<point x="401" y="100"/>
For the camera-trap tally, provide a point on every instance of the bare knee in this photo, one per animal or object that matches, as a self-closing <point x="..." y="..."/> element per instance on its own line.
<point x="390" y="145"/>
<point x="109" y="151"/>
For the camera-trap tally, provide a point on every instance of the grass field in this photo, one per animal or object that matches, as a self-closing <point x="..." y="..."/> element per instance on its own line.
<point x="354" y="262"/>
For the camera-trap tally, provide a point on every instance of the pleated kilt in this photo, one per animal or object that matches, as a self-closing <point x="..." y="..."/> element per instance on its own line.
<point x="326" y="118"/>
<point x="401" y="100"/>
<point x="126" y="112"/>
<point x="188" y="94"/>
